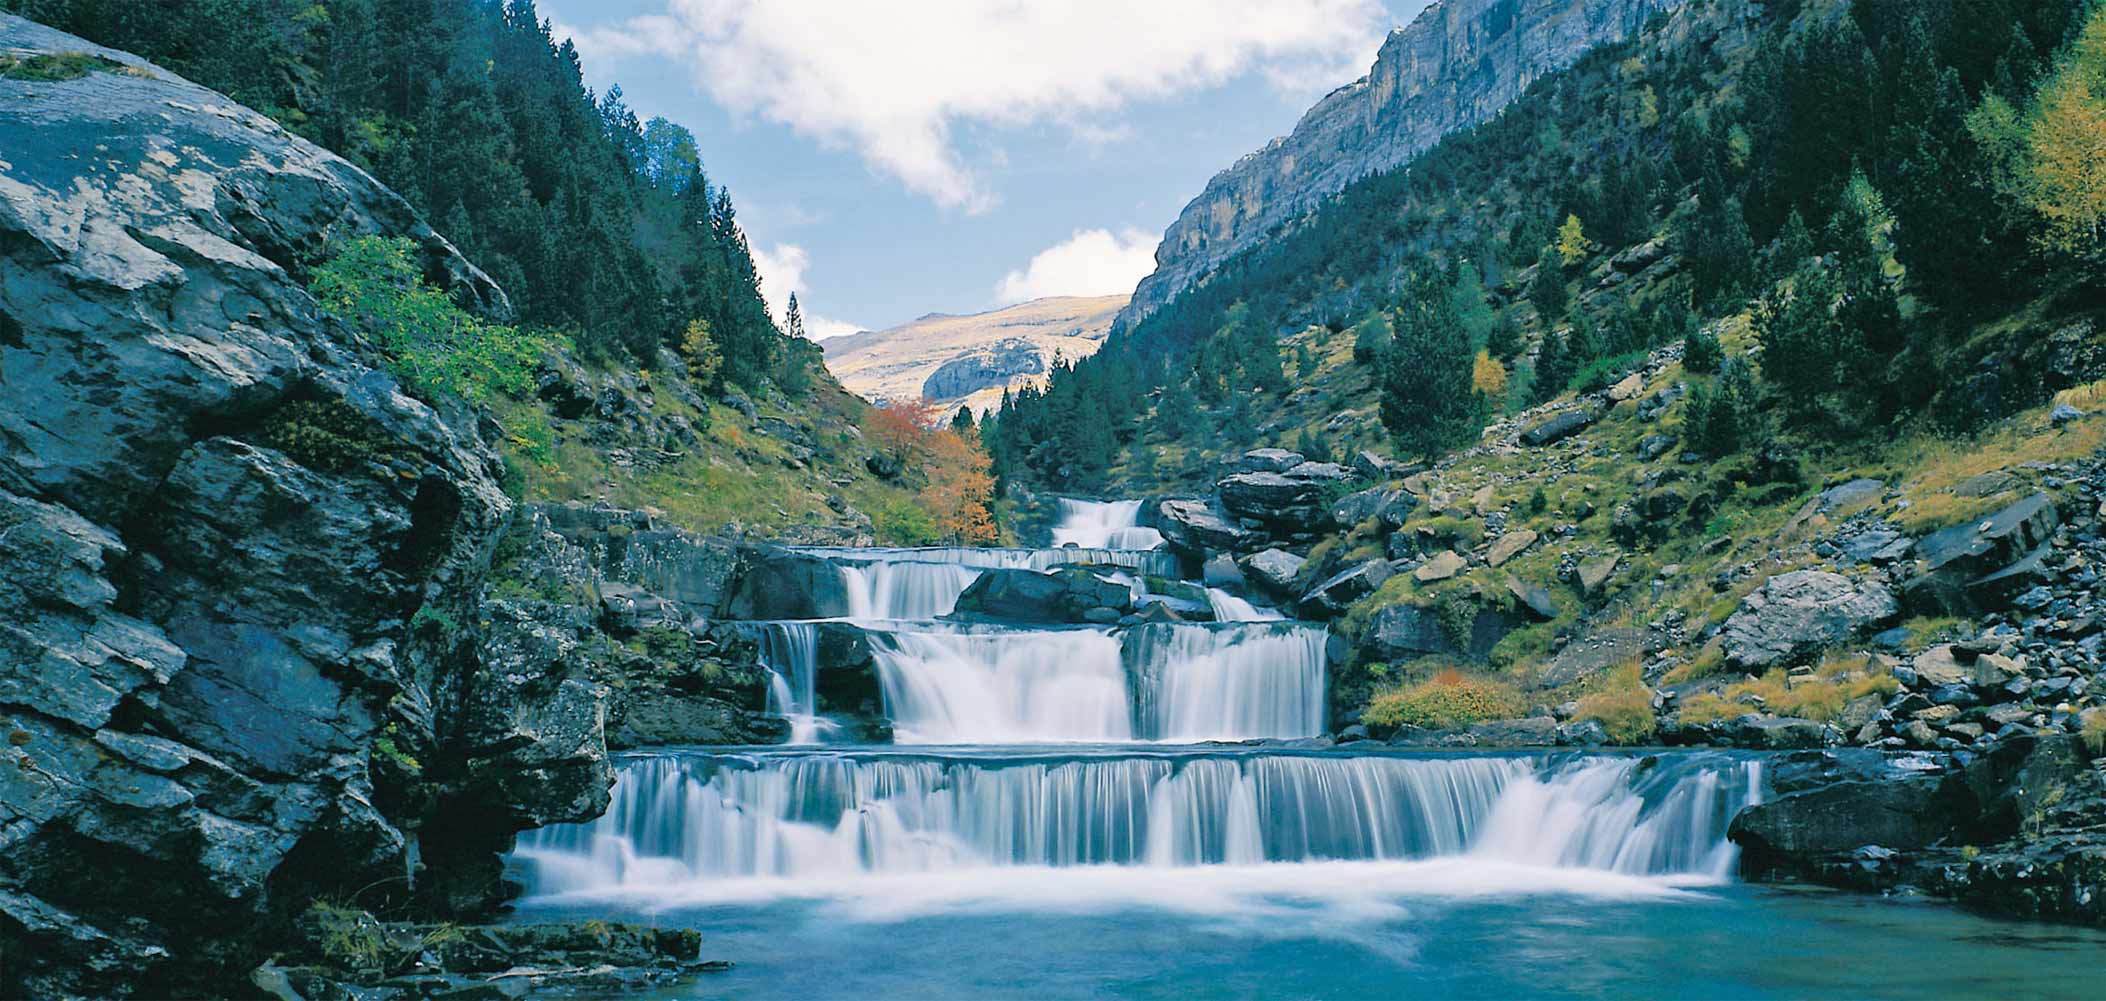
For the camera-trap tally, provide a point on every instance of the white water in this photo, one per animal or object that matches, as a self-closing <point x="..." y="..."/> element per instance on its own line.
<point x="904" y="589"/>
<point x="1230" y="608"/>
<point x="790" y="652"/>
<point x="681" y="820"/>
<point x="1196" y="683"/>
<point x="1103" y="525"/>
<point x="1153" y="682"/>
<point x="1003" y="686"/>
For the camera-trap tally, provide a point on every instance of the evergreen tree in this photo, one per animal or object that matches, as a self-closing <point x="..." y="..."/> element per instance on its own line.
<point x="962" y="421"/>
<point x="1428" y="404"/>
<point x="1555" y="366"/>
<point x="1700" y="349"/>
<point x="1547" y="292"/>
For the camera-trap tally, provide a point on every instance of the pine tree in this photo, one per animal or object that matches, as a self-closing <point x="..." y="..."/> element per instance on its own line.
<point x="962" y="421"/>
<point x="1428" y="404"/>
<point x="793" y="320"/>
<point x="1554" y="366"/>
<point x="1547" y="292"/>
<point x="1700" y="349"/>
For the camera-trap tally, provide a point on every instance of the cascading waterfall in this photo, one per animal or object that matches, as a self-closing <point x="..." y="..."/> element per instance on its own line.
<point x="1103" y="525"/>
<point x="680" y="818"/>
<point x="1230" y="608"/>
<point x="790" y="652"/>
<point x="1160" y="562"/>
<point x="964" y="685"/>
<point x="1228" y="683"/>
<point x="1003" y="686"/>
<point x="904" y="589"/>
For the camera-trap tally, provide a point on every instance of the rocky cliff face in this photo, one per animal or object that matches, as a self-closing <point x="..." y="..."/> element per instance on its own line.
<point x="219" y="654"/>
<point x="1456" y="65"/>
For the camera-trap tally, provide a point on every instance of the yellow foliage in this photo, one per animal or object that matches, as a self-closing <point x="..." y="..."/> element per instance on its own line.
<point x="1623" y="707"/>
<point x="1572" y="242"/>
<point x="704" y="361"/>
<point x="1820" y="698"/>
<point x="1487" y="376"/>
<point x="2068" y="148"/>
<point x="1447" y="699"/>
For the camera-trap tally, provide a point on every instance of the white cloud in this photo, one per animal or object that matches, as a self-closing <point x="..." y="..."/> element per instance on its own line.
<point x="895" y="82"/>
<point x="1091" y="262"/>
<point x="782" y="273"/>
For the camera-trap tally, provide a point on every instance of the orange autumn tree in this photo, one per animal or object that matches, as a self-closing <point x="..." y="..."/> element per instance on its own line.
<point x="958" y="491"/>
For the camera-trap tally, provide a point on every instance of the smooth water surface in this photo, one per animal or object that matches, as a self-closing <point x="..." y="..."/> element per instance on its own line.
<point x="1405" y="930"/>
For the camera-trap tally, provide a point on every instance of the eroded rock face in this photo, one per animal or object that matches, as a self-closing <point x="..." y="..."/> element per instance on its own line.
<point x="1456" y="65"/>
<point x="202" y="637"/>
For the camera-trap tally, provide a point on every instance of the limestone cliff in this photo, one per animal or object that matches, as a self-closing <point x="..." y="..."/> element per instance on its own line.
<point x="949" y="360"/>
<point x="1456" y="65"/>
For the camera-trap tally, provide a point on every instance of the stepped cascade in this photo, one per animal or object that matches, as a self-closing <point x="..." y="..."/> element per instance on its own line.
<point x="1045" y="744"/>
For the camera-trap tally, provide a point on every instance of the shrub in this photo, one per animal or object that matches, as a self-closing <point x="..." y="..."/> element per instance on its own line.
<point x="1448" y="699"/>
<point x="2094" y="730"/>
<point x="1820" y="698"/>
<point x="1701" y="353"/>
<point x="1623" y="707"/>
<point x="325" y="435"/>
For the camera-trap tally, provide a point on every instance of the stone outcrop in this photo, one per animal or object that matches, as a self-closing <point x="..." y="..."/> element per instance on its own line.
<point x="1455" y="65"/>
<point x="230" y="669"/>
<point x="1066" y="594"/>
<point x="1794" y="613"/>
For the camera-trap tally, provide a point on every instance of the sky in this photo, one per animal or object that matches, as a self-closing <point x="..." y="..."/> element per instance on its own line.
<point x="894" y="159"/>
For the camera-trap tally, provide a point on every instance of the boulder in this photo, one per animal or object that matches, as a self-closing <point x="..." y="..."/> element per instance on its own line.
<point x="1274" y="570"/>
<point x="1531" y="731"/>
<point x="1510" y="545"/>
<point x="1295" y="500"/>
<point x="1559" y="428"/>
<point x="1440" y="567"/>
<point x="1777" y="733"/>
<point x="1405" y="631"/>
<point x="1830" y="803"/>
<point x="1195" y="527"/>
<point x="779" y="583"/>
<point x="1266" y="460"/>
<point x="1532" y="599"/>
<point x="1592" y="575"/>
<point x="1798" y="613"/>
<point x="1854" y="493"/>
<point x="1961" y="568"/>
<point x="1392" y="508"/>
<point x="1628" y="387"/>
<point x="1063" y="595"/>
<point x="1333" y="595"/>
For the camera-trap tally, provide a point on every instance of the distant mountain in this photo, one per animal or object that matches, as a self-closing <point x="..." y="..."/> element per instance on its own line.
<point x="970" y="359"/>
<point x="1454" y="66"/>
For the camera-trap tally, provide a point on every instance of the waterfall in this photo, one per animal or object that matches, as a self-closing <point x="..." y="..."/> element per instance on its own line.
<point x="681" y="818"/>
<point x="1003" y="686"/>
<point x="1230" y="608"/>
<point x="790" y="652"/>
<point x="904" y="589"/>
<point x="1103" y="525"/>
<point x="1160" y="562"/>
<point x="1201" y="683"/>
<point x="991" y="685"/>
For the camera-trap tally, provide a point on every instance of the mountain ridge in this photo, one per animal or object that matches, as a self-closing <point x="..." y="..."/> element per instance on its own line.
<point x="968" y="360"/>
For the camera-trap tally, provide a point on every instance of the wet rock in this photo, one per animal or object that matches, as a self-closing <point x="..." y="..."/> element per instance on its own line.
<point x="1533" y="731"/>
<point x="1832" y="802"/>
<point x="1794" y="614"/>
<point x="1066" y="594"/>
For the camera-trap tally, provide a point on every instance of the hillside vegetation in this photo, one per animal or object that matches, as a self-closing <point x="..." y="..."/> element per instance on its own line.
<point x="636" y="362"/>
<point x="1757" y="252"/>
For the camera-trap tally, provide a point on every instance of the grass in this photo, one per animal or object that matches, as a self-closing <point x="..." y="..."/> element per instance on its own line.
<point x="1623" y="706"/>
<point x="1448" y="699"/>
<point x="2094" y="730"/>
<point x="1937" y="466"/>
<point x="1836" y="683"/>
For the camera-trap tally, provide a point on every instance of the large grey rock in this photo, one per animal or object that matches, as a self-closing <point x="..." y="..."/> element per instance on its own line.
<point x="1267" y="460"/>
<point x="1833" y="802"/>
<point x="1279" y="499"/>
<point x="1455" y="65"/>
<point x="1274" y="570"/>
<point x="1066" y="594"/>
<point x="1390" y="507"/>
<point x="1560" y="427"/>
<point x="1195" y="527"/>
<point x="1405" y="631"/>
<point x="1795" y="614"/>
<point x="1982" y="563"/>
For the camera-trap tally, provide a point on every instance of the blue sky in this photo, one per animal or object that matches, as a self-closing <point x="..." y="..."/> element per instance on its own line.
<point x="890" y="160"/>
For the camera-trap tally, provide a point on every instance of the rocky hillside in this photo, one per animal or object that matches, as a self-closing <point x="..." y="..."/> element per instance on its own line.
<point x="954" y="361"/>
<point x="1455" y="65"/>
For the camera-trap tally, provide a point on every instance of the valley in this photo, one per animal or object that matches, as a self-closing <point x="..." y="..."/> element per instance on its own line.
<point x="1612" y="502"/>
